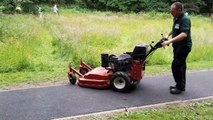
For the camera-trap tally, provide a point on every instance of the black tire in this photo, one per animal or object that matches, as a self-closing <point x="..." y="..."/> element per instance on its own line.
<point x="84" y="71"/>
<point x="72" y="78"/>
<point x="120" y="82"/>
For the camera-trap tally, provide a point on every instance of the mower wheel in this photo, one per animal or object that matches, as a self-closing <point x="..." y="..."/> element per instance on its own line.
<point x="83" y="71"/>
<point x="120" y="82"/>
<point x="72" y="78"/>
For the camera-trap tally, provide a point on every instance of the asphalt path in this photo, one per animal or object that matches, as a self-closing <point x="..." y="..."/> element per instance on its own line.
<point x="68" y="100"/>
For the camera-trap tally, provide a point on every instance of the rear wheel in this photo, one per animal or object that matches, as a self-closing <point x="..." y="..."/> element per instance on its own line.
<point x="120" y="82"/>
<point x="72" y="78"/>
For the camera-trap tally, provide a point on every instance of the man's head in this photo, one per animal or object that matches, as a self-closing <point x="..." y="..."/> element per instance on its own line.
<point x="177" y="9"/>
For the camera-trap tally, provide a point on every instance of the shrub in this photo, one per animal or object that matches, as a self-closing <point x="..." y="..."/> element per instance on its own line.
<point x="126" y="6"/>
<point x="29" y="7"/>
<point x="10" y="6"/>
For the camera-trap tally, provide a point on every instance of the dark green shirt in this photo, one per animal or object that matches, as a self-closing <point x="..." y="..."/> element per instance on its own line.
<point x="182" y="24"/>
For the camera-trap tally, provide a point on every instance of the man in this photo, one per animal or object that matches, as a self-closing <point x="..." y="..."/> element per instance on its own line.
<point x="55" y="9"/>
<point x="40" y="11"/>
<point x="181" y="42"/>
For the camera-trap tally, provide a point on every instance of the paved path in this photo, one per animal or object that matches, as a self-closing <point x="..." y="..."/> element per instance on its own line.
<point x="62" y="101"/>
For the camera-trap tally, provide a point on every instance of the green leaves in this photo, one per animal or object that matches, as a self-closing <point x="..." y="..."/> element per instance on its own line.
<point x="127" y="6"/>
<point x="10" y="6"/>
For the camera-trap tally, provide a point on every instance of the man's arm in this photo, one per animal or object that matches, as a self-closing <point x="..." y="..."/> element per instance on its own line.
<point x="170" y="33"/>
<point x="180" y="37"/>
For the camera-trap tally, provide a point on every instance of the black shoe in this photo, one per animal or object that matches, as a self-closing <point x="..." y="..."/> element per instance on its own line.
<point x="172" y="87"/>
<point x="175" y="91"/>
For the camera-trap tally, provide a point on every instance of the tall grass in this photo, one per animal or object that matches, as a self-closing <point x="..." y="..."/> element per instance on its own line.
<point x="24" y="44"/>
<point x="92" y="34"/>
<point x="31" y="44"/>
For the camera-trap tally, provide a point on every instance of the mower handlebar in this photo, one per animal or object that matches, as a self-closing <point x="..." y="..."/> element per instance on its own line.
<point x="159" y="43"/>
<point x="156" y="46"/>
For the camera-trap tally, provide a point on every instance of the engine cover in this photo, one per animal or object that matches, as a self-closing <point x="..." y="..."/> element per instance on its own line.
<point x="121" y="62"/>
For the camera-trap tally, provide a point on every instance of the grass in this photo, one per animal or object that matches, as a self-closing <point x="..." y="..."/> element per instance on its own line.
<point x="166" y="68"/>
<point x="10" y="80"/>
<point x="191" y="111"/>
<point x="35" y="50"/>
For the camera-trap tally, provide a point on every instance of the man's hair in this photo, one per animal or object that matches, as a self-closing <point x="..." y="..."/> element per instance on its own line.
<point x="178" y="5"/>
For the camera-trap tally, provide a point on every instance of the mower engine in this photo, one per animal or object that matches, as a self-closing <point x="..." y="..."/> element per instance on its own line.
<point x="124" y="61"/>
<point x="121" y="62"/>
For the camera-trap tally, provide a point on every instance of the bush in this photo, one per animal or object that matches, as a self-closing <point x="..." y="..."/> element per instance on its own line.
<point x="29" y="7"/>
<point x="126" y="6"/>
<point x="1" y="8"/>
<point x="10" y="6"/>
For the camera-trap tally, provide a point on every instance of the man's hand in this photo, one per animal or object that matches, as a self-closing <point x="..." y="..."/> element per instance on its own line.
<point x="166" y="43"/>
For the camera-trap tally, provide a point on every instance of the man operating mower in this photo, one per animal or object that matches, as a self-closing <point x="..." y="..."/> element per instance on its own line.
<point x="181" y="43"/>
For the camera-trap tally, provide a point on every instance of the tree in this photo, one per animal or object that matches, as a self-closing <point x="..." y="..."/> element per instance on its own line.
<point x="209" y="4"/>
<point x="127" y="5"/>
<point x="29" y="6"/>
<point x="10" y="6"/>
<point x="192" y="6"/>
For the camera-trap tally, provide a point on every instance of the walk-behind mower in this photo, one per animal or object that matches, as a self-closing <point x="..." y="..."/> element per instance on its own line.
<point x="119" y="72"/>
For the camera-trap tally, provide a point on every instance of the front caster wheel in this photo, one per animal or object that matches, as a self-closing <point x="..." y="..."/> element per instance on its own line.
<point x="72" y="78"/>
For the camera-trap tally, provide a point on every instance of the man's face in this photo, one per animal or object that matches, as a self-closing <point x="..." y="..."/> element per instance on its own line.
<point x="174" y="11"/>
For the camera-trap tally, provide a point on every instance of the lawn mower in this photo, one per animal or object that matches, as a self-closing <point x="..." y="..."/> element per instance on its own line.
<point x="119" y="72"/>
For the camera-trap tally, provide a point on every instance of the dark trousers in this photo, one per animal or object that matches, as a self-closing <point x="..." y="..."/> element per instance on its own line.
<point x="179" y="66"/>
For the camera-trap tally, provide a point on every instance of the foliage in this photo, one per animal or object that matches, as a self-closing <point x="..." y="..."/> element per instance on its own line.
<point x="195" y="6"/>
<point x="10" y="6"/>
<point x="126" y="6"/>
<point x="191" y="6"/>
<point x="29" y="7"/>
<point x="54" y="1"/>
<point x="209" y="4"/>
<point x="29" y="44"/>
